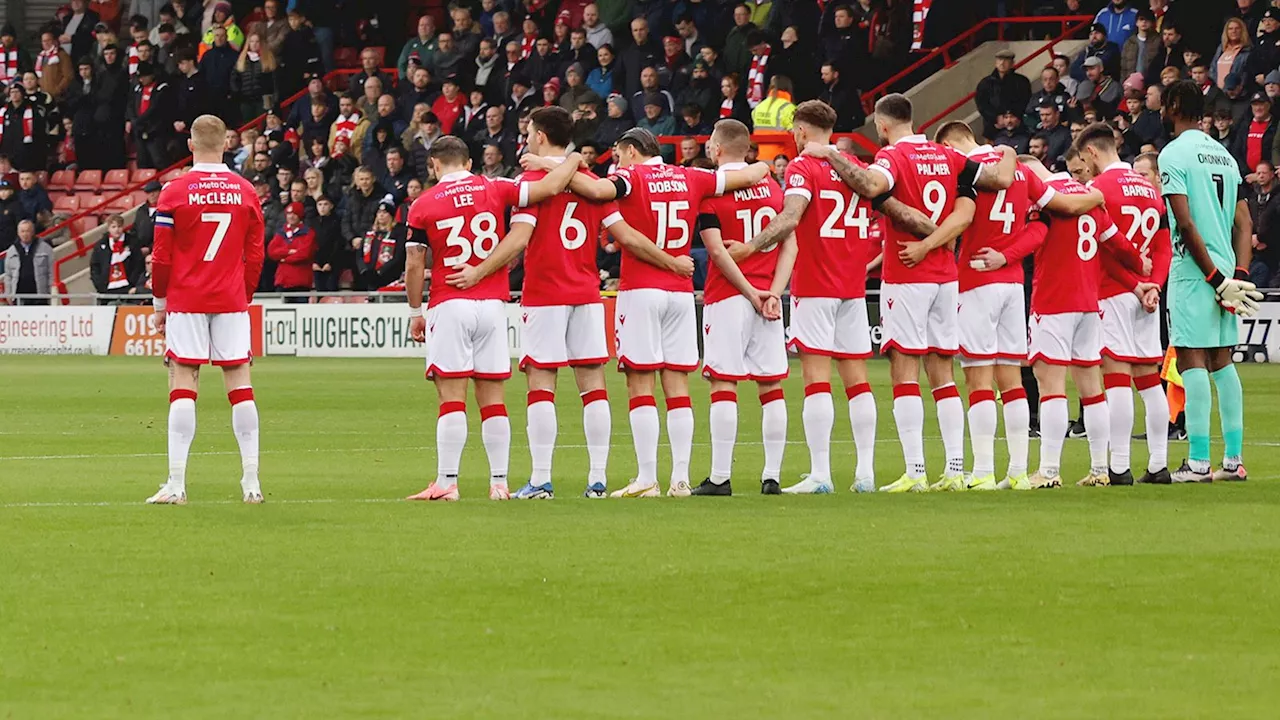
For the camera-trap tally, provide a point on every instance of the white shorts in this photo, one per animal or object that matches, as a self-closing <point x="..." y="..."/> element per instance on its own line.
<point x="468" y="339"/>
<point x="656" y="330"/>
<point x="199" y="338"/>
<point x="556" y="336"/>
<point x="738" y="344"/>
<point x="920" y="318"/>
<point x="993" y="325"/>
<point x="1073" y="338"/>
<point x="1129" y="333"/>
<point x="833" y="327"/>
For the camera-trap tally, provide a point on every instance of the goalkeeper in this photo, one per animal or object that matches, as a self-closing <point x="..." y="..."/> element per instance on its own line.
<point x="1208" y="285"/>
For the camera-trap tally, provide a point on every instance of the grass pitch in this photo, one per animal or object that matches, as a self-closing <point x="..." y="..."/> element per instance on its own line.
<point x="335" y="599"/>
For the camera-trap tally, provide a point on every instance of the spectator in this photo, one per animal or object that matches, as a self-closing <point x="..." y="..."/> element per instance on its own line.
<point x="192" y="95"/>
<point x="111" y="107"/>
<point x="150" y="119"/>
<point x="327" y="264"/>
<point x="1039" y="149"/>
<point x="495" y="133"/>
<point x="732" y="103"/>
<point x="80" y="107"/>
<point x="486" y="75"/>
<point x="1233" y="52"/>
<point x="676" y="63"/>
<point x="1010" y="131"/>
<point x="423" y="45"/>
<point x="1057" y="137"/>
<point x="1250" y="12"/>
<point x="299" y="56"/>
<point x="1221" y="126"/>
<point x="28" y="267"/>
<point x="77" y="29"/>
<point x="368" y="70"/>
<point x="542" y="65"/>
<point x="10" y="215"/>
<point x="350" y="125"/>
<point x="272" y="214"/>
<point x="22" y="135"/>
<point x="576" y="92"/>
<point x="1254" y="140"/>
<point x="691" y="122"/>
<point x="144" y="220"/>
<point x="36" y="205"/>
<point x="1237" y="100"/>
<point x="775" y="112"/>
<point x="601" y="78"/>
<point x="253" y="80"/>
<point x="395" y="179"/>
<point x="586" y="121"/>
<point x="223" y="18"/>
<point x="598" y="34"/>
<point x="376" y="249"/>
<point x="522" y="99"/>
<point x="472" y="120"/>
<point x="466" y="31"/>
<point x="1138" y="125"/>
<point x="643" y="53"/>
<point x="115" y="265"/>
<point x="1099" y="89"/>
<point x="45" y="106"/>
<point x="659" y="122"/>
<point x="617" y="121"/>
<point x="1063" y="65"/>
<point x="1214" y="98"/>
<point x="273" y="28"/>
<point x="342" y="164"/>
<point x="579" y="51"/>
<point x="846" y="101"/>
<point x="53" y="66"/>
<point x="217" y="64"/>
<point x="448" y="107"/>
<point x="797" y="61"/>
<point x="838" y="44"/>
<point x="702" y="90"/>
<point x="503" y="33"/>
<point x="758" y="70"/>
<point x="317" y="123"/>
<point x="1003" y="88"/>
<point x="591" y="156"/>
<point x="1265" y="56"/>
<point x="690" y="150"/>
<point x="446" y="60"/>
<point x="385" y="116"/>
<point x="1142" y="47"/>
<point x="419" y="91"/>
<point x="361" y="205"/>
<point x="1052" y="89"/>
<point x="1264" y="208"/>
<point x="649" y="86"/>
<point x="168" y="16"/>
<point x="1168" y="55"/>
<point x="1169" y="76"/>
<point x="1100" y="47"/>
<point x="737" y="53"/>
<point x="1272" y="86"/>
<point x="1119" y="20"/>
<point x="492" y="165"/>
<point x="294" y="249"/>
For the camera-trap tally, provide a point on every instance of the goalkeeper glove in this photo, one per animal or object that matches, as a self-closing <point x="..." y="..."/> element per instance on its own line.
<point x="1238" y="296"/>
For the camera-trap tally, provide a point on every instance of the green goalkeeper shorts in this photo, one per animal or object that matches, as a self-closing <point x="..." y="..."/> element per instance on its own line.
<point x="1196" y="320"/>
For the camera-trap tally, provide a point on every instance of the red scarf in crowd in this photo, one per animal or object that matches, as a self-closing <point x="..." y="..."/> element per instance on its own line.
<point x="919" y="13"/>
<point x="28" y="123"/>
<point x="726" y="108"/>
<point x="526" y="46"/>
<point x="145" y="103"/>
<point x="46" y="57"/>
<point x="345" y="127"/>
<point x="118" y="276"/>
<point x="755" y="77"/>
<point x="8" y="64"/>
<point x="386" y="250"/>
<point x="133" y="60"/>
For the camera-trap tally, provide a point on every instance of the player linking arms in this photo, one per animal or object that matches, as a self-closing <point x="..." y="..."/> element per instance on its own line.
<point x="208" y="255"/>
<point x="1208" y="283"/>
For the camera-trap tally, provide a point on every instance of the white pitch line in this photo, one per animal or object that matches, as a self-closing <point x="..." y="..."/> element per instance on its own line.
<point x="304" y="501"/>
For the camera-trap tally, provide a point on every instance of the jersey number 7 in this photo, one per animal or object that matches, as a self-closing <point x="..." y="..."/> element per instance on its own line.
<point x="219" y="233"/>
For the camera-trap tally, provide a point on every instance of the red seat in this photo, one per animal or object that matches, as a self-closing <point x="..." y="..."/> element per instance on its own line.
<point x="88" y="199"/>
<point x="120" y="204"/>
<point x="42" y="178"/>
<point x="346" y="57"/>
<point x="171" y="175"/>
<point x="115" y="179"/>
<point x="138" y="197"/>
<point x="82" y="225"/>
<point x="61" y="180"/>
<point x="66" y="204"/>
<point x="141" y="175"/>
<point x="379" y="52"/>
<point x="88" y="180"/>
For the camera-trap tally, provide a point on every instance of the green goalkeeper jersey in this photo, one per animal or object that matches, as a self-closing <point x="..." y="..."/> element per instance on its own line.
<point x="1200" y="168"/>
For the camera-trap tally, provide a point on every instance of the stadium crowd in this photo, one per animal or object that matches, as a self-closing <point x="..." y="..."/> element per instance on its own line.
<point x="337" y="169"/>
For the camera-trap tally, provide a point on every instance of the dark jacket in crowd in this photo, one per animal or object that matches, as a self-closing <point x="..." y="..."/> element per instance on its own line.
<point x="847" y="102"/>
<point x="634" y="59"/>
<point x="1239" y="145"/>
<point x="331" y="247"/>
<point x="996" y="94"/>
<point x="100" y="265"/>
<point x="192" y="97"/>
<point x="358" y="215"/>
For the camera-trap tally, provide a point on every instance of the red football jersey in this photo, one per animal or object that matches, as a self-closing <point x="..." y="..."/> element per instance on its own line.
<point x="927" y="177"/>
<point x="1068" y="270"/>
<point x="463" y="218"/>
<point x="741" y="216"/>
<point x="560" y="262"/>
<point x="1138" y="210"/>
<point x="208" y="241"/>
<point x="998" y="218"/>
<point x="833" y="237"/>
<point x="662" y="201"/>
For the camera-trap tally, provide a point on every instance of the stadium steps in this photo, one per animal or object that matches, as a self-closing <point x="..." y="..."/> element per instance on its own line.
<point x="942" y="89"/>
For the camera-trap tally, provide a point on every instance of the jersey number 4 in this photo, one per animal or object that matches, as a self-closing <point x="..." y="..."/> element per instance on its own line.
<point x="851" y="216"/>
<point x="484" y="237"/>
<point x="223" y="221"/>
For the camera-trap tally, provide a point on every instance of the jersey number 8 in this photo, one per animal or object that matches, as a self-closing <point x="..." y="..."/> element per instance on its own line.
<point x="484" y="237"/>
<point x="1087" y="237"/>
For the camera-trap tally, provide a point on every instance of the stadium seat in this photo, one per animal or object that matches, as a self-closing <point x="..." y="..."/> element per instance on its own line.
<point x="82" y="225"/>
<point x="115" y="179"/>
<point x="346" y="57"/>
<point x="141" y="175"/>
<point x="379" y="52"/>
<point x="89" y="199"/>
<point x="171" y="175"/>
<point x="120" y="204"/>
<point x="42" y="178"/>
<point x="88" y="180"/>
<point x="66" y="204"/>
<point x="61" y="180"/>
<point x="137" y="197"/>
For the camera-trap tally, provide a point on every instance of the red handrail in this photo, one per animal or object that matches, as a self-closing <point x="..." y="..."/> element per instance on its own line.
<point x="1043" y="48"/>
<point x="99" y="209"/>
<point x="869" y="98"/>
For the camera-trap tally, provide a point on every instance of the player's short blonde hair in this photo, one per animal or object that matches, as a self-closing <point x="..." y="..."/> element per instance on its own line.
<point x="208" y="133"/>
<point x="733" y="136"/>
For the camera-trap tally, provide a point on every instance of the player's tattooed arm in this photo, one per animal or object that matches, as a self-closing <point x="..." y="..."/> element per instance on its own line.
<point x="907" y="218"/>
<point x="646" y="251"/>
<point x="778" y="229"/>
<point x="865" y="182"/>
<point x="1000" y="175"/>
<point x="516" y="240"/>
<point x="912" y="253"/>
<point x="555" y="181"/>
